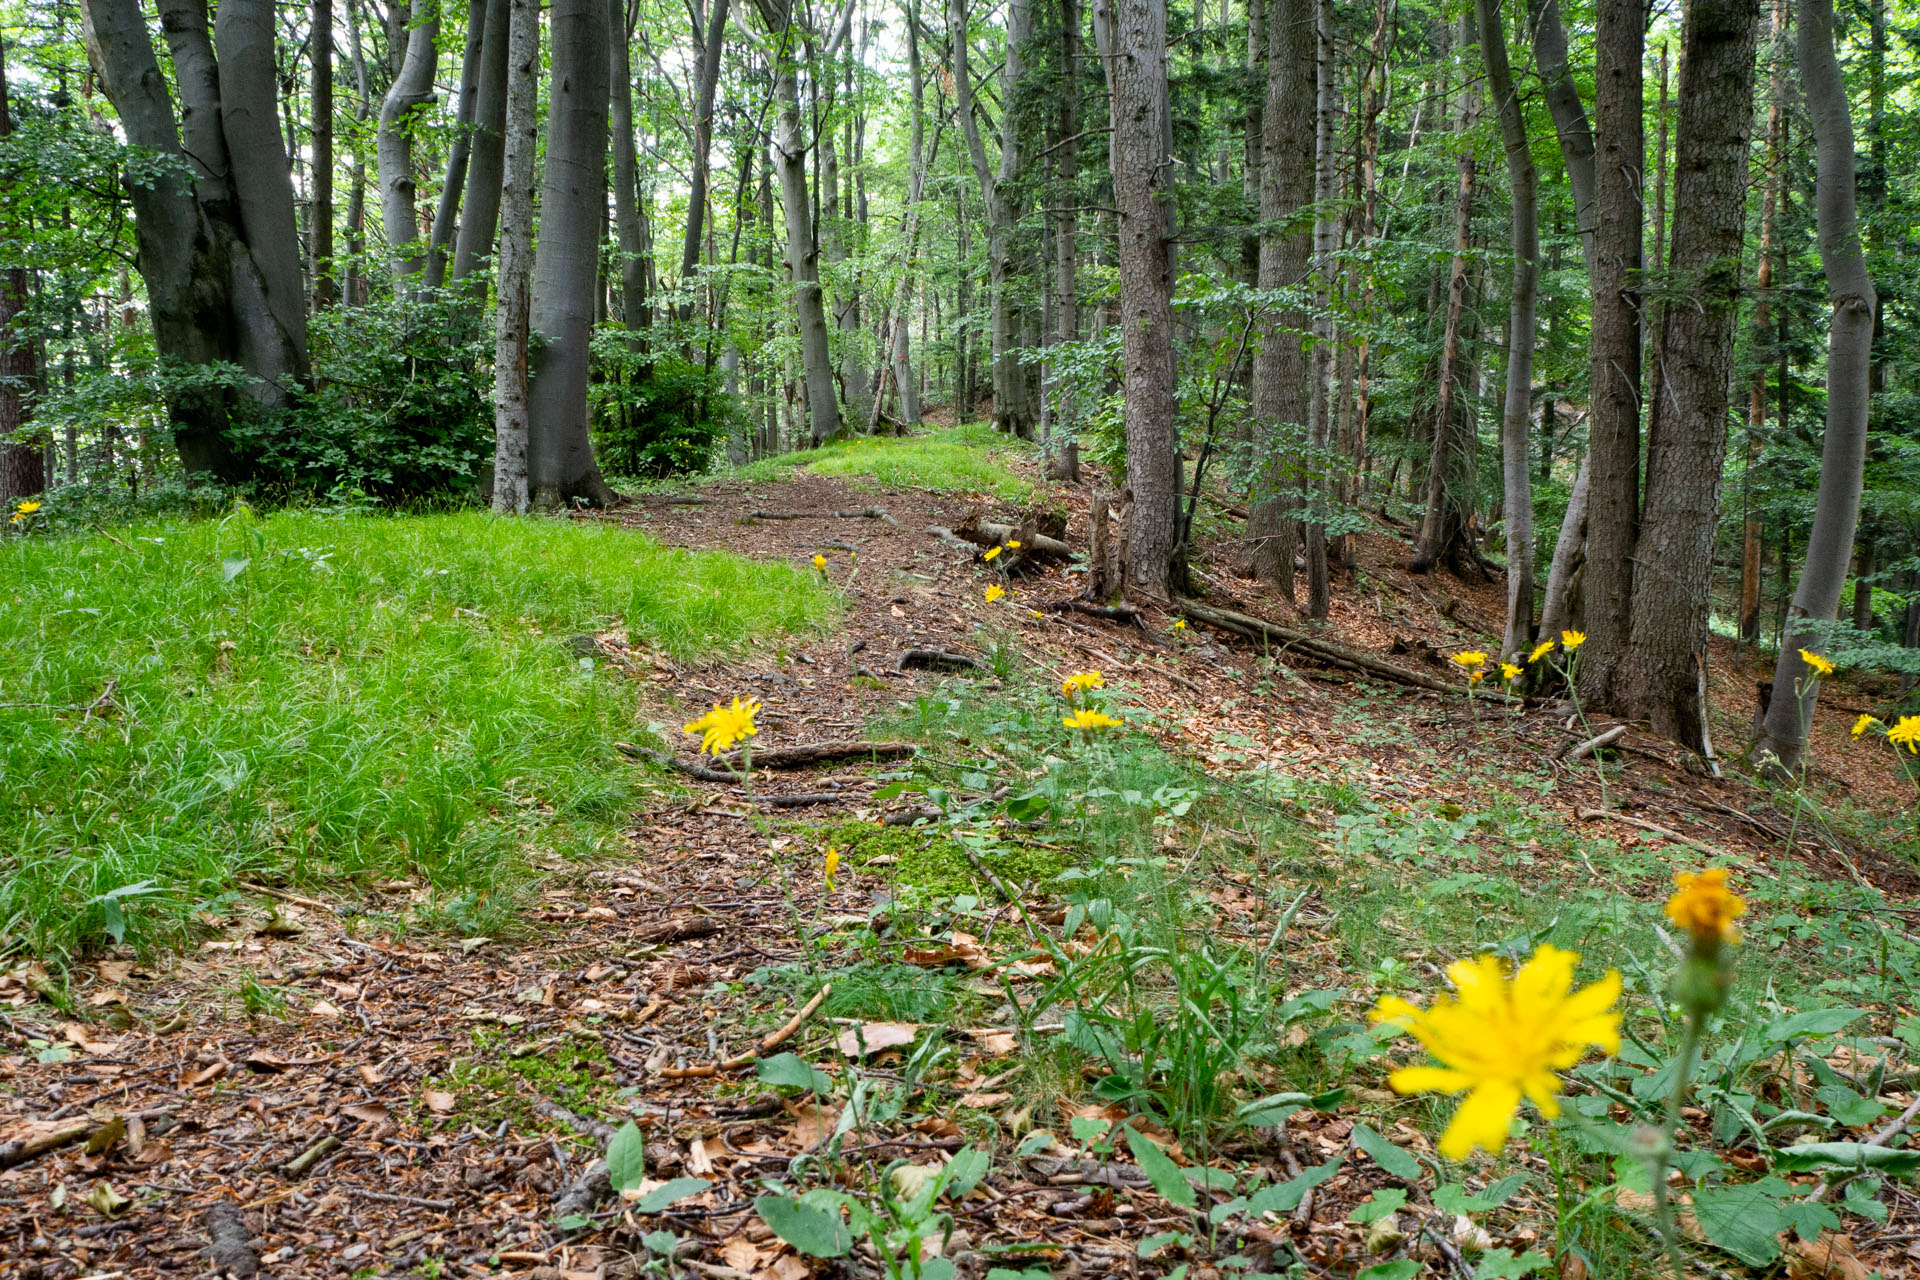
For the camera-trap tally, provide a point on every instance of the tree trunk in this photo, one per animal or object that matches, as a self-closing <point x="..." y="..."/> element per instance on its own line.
<point x="1443" y="531"/>
<point x="1666" y="647"/>
<point x="918" y="161"/>
<point x="321" y="238"/>
<point x="1751" y="540"/>
<point x="1517" y="498"/>
<point x="1280" y="393"/>
<point x="626" y="210"/>
<point x="573" y="199"/>
<point x="460" y="152"/>
<point x="1143" y="193"/>
<point x="355" y="281"/>
<point x="520" y="142"/>
<point x="1569" y="116"/>
<point x="393" y="149"/>
<point x="23" y="451"/>
<point x="1849" y="352"/>
<point x="1325" y="228"/>
<point x="1613" y="431"/>
<point x="711" y="46"/>
<point x="474" y="240"/>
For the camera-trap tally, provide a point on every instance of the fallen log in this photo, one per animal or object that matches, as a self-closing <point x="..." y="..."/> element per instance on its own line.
<point x="949" y="537"/>
<point x="674" y="499"/>
<point x="801" y="799"/>
<point x="864" y="513"/>
<point x="988" y="533"/>
<point x="937" y="660"/>
<point x="1107" y="612"/>
<point x="1593" y="744"/>
<point x="825" y="752"/>
<point x="1328" y="651"/>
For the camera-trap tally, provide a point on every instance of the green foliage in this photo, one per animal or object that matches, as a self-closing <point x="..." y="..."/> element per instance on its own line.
<point x="959" y="460"/>
<point x="654" y="413"/>
<point x="317" y="699"/>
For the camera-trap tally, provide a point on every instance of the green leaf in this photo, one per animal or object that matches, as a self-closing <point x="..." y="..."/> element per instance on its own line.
<point x="964" y="1171"/>
<point x="626" y="1158"/>
<point x="1385" y="1201"/>
<point x="1849" y="1108"/>
<point x="1028" y="807"/>
<point x="1155" y="1243"/>
<point x="1286" y="1196"/>
<point x="574" y="1222"/>
<point x="816" y="1232"/>
<point x="670" y="1193"/>
<point x="1264" y="1113"/>
<point x="1385" y="1154"/>
<point x="1404" y="1269"/>
<point x="790" y="1071"/>
<point x="1500" y="1264"/>
<point x="1742" y="1220"/>
<point x="1896" y="1161"/>
<point x="1160" y="1169"/>
<point x="1810" y="1218"/>
<point x="1814" y="1022"/>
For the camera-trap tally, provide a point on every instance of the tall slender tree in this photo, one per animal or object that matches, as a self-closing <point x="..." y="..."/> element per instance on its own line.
<point x="520" y="146"/>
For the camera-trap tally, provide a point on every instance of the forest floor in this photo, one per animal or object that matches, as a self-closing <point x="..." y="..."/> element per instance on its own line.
<point x="1087" y="959"/>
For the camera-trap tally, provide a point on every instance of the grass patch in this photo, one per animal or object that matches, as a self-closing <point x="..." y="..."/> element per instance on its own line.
<point x="303" y="698"/>
<point x="504" y="1079"/>
<point x="964" y="459"/>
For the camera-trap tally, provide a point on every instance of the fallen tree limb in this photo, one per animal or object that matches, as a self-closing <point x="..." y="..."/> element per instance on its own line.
<point x="46" y="1138"/>
<point x="668" y="761"/>
<point x="823" y="752"/>
<point x="949" y="537"/>
<point x="1328" y="651"/>
<point x="801" y="799"/>
<point x="784" y="1033"/>
<point x="1593" y="744"/>
<point x="1108" y="612"/>
<point x="1588" y="815"/>
<point x="987" y="533"/>
<point x="864" y="513"/>
<point x="674" y="499"/>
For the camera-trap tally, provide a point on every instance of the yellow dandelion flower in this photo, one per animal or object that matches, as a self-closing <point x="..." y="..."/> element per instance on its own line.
<point x="1471" y="658"/>
<point x="994" y="592"/>
<point x="1036" y="613"/>
<point x="1082" y="681"/>
<point x="1179" y="624"/>
<point x="1501" y="1039"/>
<point x="1540" y="651"/>
<point x="27" y="508"/>
<point x="1864" y="723"/>
<point x="1088" y="719"/>
<point x="1906" y="733"/>
<point x="1475" y="677"/>
<point x="1704" y="906"/>
<point x="820" y="563"/>
<point x="1509" y="672"/>
<point x="1571" y="640"/>
<point x="991" y="553"/>
<point x="1013" y="544"/>
<point x="829" y="865"/>
<point x="721" y="727"/>
<point x="1820" y="665"/>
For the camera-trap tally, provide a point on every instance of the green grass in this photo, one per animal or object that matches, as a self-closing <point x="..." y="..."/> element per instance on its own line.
<point x="964" y="459"/>
<point x="314" y="700"/>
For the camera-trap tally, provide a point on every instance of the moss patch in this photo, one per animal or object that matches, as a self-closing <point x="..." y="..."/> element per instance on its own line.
<point x="934" y="862"/>
<point x="507" y="1075"/>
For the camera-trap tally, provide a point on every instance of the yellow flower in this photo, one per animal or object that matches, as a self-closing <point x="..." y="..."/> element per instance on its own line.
<point x="1540" y="651"/>
<point x="1821" y="667"/>
<point x="1088" y="719"/>
<point x="1571" y="640"/>
<point x="1081" y="681"/>
<point x="721" y="727"/>
<point x="1179" y="624"/>
<point x="1036" y="613"/>
<point x="991" y="553"/>
<point x="1471" y="658"/>
<point x="27" y="508"/>
<point x="1704" y="906"/>
<point x="1864" y="723"/>
<point x="1477" y="676"/>
<point x="1501" y="1038"/>
<point x="820" y="563"/>
<point x="830" y="865"/>
<point x="1509" y="672"/>
<point x="1013" y="544"/>
<point x="1906" y="733"/>
<point x="994" y="592"/>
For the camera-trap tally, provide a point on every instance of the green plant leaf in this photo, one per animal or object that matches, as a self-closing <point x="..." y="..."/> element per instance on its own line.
<point x="1286" y="1196"/>
<point x="1264" y="1113"/>
<point x="1395" y="1160"/>
<point x="816" y="1232"/>
<point x="1155" y="1243"/>
<point x="1743" y="1220"/>
<point x="1896" y="1161"/>
<point x="1160" y="1169"/>
<point x="626" y="1158"/>
<point x="964" y="1171"/>
<point x="790" y="1071"/>
<point x="671" y="1193"/>
<point x="1385" y="1201"/>
<point x="1404" y="1269"/>
<point x="1813" y="1022"/>
<point x="1500" y="1264"/>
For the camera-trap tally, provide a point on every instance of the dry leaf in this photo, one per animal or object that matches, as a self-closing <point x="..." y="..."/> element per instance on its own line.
<point x="995" y="1042"/>
<point x="812" y="1124"/>
<point x="984" y="1100"/>
<point x="371" y="1112"/>
<point x="78" y="1036"/>
<point x="741" y="1254"/>
<point x="114" y="972"/>
<point x="869" y="1038"/>
<point x="438" y="1102"/>
<point x="324" y="1009"/>
<point x="371" y="1075"/>
<point x="212" y="1071"/>
<point x="1830" y="1257"/>
<point x="790" y="1266"/>
<point x="266" y="1060"/>
<point x="939" y="1127"/>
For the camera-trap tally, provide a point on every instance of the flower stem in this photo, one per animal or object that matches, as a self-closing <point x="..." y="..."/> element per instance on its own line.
<point x="1661" y="1156"/>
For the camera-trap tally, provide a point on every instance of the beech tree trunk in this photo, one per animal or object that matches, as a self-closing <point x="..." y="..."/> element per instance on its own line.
<point x="321" y="236"/>
<point x="393" y="146"/>
<point x="520" y="144"/>
<point x="23" y="451"/>
<point x="1325" y="231"/>
<point x="1613" y="430"/>
<point x="1281" y="398"/>
<point x="573" y="201"/>
<point x="1143" y="193"/>
<point x="485" y="178"/>
<point x="1751" y="540"/>
<point x="460" y="152"/>
<point x="1666" y="646"/>
<point x="1843" y="452"/>
<point x="1516" y="421"/>
<point x="711" y="45"/>
<point x="626" y="210"/>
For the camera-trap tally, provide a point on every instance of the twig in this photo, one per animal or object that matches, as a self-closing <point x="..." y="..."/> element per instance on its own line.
<point x="785" y="1033"/>
<point x="294" y="898"/>
<point x="1596" y="742"/>
<point x="310" y="1157"/>
<point x="1588" y="815"/>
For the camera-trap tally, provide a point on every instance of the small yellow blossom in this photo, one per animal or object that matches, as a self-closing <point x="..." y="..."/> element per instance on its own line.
<point x="1088" y="719"/>
<point x="1864" y="723"/>
<point x="820" y="563"/>
<point x="722" y="727"/>
<point x="1036" y="613"/>
<point x="1082" y="681"/>
<point x="1502" y="1038"/>
<point x="1471" y="658"/>
<point x="27" y="508"/>
<point x="1476" y="676"/>
<point x="1571" y="640"/>
<point x="1540" y="651"/>
<point x="1704" y="906"/>
<point x="1179" y="624"/>
<point x="1820" y="665"/>
<point x="1906" y="733"/>
<point x="994" y="592"/>
<point x="991" y="553"/>
<point x="1013" y="544"/>
<point x="829" y="865"/>
<point x="1509" y="672"/>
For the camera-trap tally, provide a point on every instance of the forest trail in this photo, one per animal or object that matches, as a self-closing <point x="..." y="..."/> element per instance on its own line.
<point x="421" y="1105"/>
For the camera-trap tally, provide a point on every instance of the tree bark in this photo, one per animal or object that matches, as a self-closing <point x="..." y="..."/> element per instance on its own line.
<point x="520" y="144"/>
<point x="1667" y="640"/>
<point x="1280" y="393"/>
<point x="573" y="198"/>
<point x="321" y="237"/>
<point x="1751" y="540"/>
<point x="466" y="110"/>
<point x="1613" y="432"/>
<point x="1320" y="364"/>
<point x="1575" y="133"/>
<point x="23" y="451"/>
<point x="1516" y="420"/>
<point x="393" y="145"/>
<point x="711" y="47"/>
<point x="626" y="210"/>
<point x="1849" y="354"/>
<point x="1143" y="194"/>
<point x="474" y="240"/>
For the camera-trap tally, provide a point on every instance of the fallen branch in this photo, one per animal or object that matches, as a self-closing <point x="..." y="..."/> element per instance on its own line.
<point x="864" y="513"/>
<point x="1588" y="815"/>
<point x="785" y="1033"/>
<point x="801" y="799"/>
<point x="675" y="499"/>
<point x="986" y="533"/>
<point x="678" y="928"/>
<point x="665" y="760"/>
<point x="310" y="1157"/>
<point x="937" y="660"/>
<point x="1107" y="612"/>
<point x="294" y="898"/>
<point x="21" y="1150"/>
<point x="1593" y="744"/>
<point x="948" y="536"/>
<point x="823" y="752"/>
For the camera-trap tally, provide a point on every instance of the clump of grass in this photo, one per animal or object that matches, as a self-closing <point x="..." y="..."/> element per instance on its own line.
<point x="308" y="699"/>
<point x="966" y="459"/>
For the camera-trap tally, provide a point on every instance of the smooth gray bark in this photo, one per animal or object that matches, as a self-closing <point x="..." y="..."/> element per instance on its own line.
<point x="460" y="152"/>
<point x="474" y="240"/>
<point x="711" y="47"/>
<point x="1325" y="240"/>
<point x="393" y="145"/>
<point x="628" y="237"/>
<point x="1843" y="452"/>
<point x="1574" y="132"/>
<point x="520" y="145"/>
<point x="321" y="240"/>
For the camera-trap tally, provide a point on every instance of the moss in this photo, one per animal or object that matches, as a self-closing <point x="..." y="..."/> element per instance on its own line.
<point x="934" y="862"/>
<point x="507" y="1075"/>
